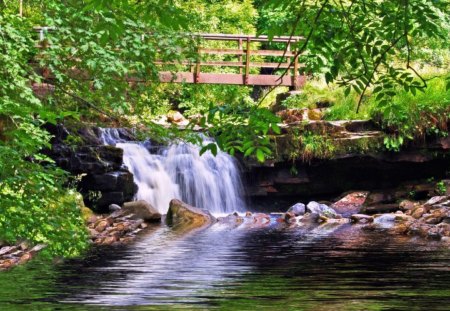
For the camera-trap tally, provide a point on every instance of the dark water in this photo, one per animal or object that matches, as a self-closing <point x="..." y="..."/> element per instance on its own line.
<point x="273" y="268"/>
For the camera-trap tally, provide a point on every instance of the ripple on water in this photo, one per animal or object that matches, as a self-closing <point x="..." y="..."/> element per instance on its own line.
<point x="332" y="268"/>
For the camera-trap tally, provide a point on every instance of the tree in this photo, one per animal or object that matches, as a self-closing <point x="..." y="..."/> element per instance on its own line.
<point x="360" y="44"/>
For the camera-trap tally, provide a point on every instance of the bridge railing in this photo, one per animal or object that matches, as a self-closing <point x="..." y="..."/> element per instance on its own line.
<point x="245" y="49"/>
<point x="243" y="53"/>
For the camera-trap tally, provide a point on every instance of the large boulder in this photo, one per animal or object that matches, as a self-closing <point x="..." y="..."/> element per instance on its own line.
<point x="351" y="203"/>
<point x="183" y="215"/>
<point x="142" y="209"/>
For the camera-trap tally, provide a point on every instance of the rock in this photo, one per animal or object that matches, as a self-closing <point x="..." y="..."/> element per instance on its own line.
<point x="24" y="245"/>
<point x="114" y="207"/>
<point x="436" y="200"/>
<point x="101" y="225"/>
<point x="293" y="115"/>
<point x="403" y="218"/>
<point x="434" y="234"/>
<point x="7" y="249"/>
<point x="351" y="203"/>
<point x="126" y="240"/>
<point x="385" y="221"/>
<point x="435" y="217"/>
<point x="315" y="114"/>
<point x="37" y="248"/>
<point x="109" y="182"/>
<point x="92" y="232"/>
<point x="297" y="209"/>
<point x="401" y="228"/>
<point x="444" y="229"/>
<point x="420" y="229"/>
<point x="7" y="263"/>
<point x="109" y="240"/>
<point x="183" y="215"/>
<point x="361" y="218"/>
<point x="321" y="210"/>
<point x="418" y="212"/>
<point x="175" y="117"/>
<point x="24" y="258"/>
<point x="407" y="205"/>
<point x="290" y="217"/>
<point x="261" y="219"/>
<point x="231" y="220"/>
<point x="92" y="219"/>
<point x="143" y="210"/>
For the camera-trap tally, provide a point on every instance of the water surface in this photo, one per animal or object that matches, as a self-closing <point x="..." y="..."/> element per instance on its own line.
<point x="272" y="268"/>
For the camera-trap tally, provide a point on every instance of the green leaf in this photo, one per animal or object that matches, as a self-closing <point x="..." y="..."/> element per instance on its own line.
<point x="347" y="91"/>
<point x="260" y="155"/>
<point x="249" y="151"/>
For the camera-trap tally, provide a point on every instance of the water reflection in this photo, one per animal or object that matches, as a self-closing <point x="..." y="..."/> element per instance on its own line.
<point x="327" y="268"/>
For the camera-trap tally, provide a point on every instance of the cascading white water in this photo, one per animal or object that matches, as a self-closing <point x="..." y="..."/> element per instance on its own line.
<point x="178" y="171"/>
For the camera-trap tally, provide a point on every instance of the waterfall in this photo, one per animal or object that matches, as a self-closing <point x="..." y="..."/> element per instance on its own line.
<point x="178" y="171"/>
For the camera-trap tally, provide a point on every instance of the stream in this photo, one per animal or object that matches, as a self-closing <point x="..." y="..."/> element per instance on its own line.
<point x="270" y="268"/>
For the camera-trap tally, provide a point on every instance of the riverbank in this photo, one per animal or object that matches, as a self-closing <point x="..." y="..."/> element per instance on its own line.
<point x="393" y="212"/>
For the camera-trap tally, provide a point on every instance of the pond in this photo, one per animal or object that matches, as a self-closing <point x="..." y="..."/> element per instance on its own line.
<point x="271" y="268"/>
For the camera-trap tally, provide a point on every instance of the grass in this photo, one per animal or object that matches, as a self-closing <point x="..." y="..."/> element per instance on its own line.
<point x="404" y="118"/>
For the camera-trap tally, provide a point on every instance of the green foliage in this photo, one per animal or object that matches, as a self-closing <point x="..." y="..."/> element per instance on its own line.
<point x="441" y="188"/>
<point x="308" y="146"/>
<point x="404" y="118"/>
<point x="355" y="42"/>
<point x="33" y="205"/>
<point x="241" y="131"/>
<point x="407" y="117"/>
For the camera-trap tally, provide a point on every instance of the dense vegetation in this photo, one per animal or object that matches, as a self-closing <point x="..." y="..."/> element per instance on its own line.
<point x="373" y="49"/>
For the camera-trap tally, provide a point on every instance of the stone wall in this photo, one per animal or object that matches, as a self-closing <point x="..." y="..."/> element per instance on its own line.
<point x="103" y="180"/>
<point x="359" y="162"/>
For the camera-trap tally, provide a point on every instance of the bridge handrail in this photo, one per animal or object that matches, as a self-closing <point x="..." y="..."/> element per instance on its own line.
<point x="243" y="50"/>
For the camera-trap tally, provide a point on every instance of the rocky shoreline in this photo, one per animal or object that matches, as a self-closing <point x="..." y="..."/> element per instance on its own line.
<point x="428" y="219"/>
<point x="423" y="211"/>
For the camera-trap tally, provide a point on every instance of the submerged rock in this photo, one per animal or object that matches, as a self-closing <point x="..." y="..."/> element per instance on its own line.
<point x="361" y="218"/>
<point x="143" y="210"/>
<point x="183" y="215"/>
<point x="231" y="220"/>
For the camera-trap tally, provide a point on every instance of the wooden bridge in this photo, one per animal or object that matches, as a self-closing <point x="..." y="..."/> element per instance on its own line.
<point x="241" y="59"/>
<point x="243" y="54"/>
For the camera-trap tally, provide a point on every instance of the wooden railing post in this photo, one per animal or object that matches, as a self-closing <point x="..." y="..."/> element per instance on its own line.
<point x="247" y="62"/>
<point x="240" y="55"/>
<point x="288" y="59"/>
<point x="295" y="83"/>
<point x="197" y="66"/>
